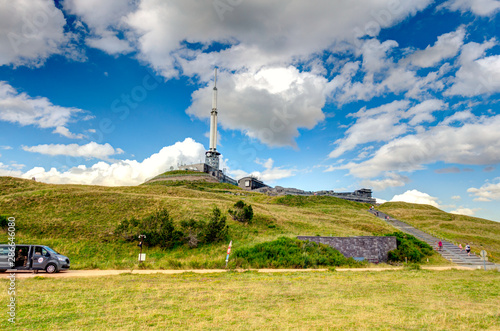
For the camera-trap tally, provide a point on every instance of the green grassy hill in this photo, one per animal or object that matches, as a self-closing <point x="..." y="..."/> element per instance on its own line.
<point x="79" y="220"/>
<point x="181" y="177"/>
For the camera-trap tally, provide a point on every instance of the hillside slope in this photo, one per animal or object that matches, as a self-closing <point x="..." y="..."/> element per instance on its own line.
<point x="80" y="221"/>
<point x="479" y="233"/>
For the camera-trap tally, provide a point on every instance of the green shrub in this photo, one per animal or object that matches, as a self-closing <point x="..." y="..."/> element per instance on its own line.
<point x="4" y="222"/>
<point x="409" y="247"/>
<point x="242" y="212"/>
<point x="192" y="230"/>
<point x="158" y="228"/>
<point x="290" y="253"/>
<point x="216" y="229"/>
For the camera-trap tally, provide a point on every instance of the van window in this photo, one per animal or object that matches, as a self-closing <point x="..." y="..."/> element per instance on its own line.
<point x="51" y="250"/>
<point x="4" y="251"/>
<point x="39" y="250"/>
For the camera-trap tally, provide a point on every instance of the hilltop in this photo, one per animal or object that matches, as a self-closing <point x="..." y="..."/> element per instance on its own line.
<point x="80" y="220"/>
<point x="181" y="176"/>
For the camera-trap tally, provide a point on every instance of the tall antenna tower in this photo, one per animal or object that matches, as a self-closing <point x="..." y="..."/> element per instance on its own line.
<point x="212" y="156"/>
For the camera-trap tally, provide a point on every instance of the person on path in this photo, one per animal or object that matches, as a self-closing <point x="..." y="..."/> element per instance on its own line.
<point x="436" y="245"/>
<point x="440" y="245"/>
<point x="461" y="248"/>
<point x="467" y="249"/>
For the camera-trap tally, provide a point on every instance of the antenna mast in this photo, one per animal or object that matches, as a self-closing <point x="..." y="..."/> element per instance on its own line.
<point x="212" y="156"/>
<point x="213" y="116"/>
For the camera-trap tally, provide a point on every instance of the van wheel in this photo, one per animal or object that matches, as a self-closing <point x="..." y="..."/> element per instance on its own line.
<point x="51" y="268"/>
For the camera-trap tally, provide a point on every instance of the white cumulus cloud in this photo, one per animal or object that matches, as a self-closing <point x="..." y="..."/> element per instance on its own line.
<point x="415" y="196"/>
<point x="477" y="74"/>
<point x="487" y="192"/>
<point x="6" y="170"/>
<point x="105" y="20"/>
<point x="465" y="211"/>
<point x="22" y="109"/>
<point x="88" y="151"/>
<point x="30" y="31"/>
<point x="123" y="172"/>
<point x="63" y="131"/>
<point x="262" y="42"/>
<point x="258" y="33"/>
<point x="269" y="175"/>
<point x="109" y="43"/>
<point x="391" y="180"/>
<point x="384" y="123"/>
<point x="478" y="7"/>
<point x="271" y="105"/>
<point x="475" y="143"/>
<point x="446" y="46"/>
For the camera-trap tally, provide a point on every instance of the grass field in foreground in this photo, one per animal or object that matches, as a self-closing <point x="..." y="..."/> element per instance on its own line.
<point x="389" y="300"/>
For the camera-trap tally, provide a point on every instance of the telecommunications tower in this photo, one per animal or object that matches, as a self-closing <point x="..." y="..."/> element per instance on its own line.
<point x="212" y="156"/>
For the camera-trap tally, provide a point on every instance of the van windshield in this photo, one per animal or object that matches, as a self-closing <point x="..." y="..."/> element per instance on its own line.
<point x="50" y="250"/>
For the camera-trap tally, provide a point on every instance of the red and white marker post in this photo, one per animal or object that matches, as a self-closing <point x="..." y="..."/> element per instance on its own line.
<point x="228" y="252"/>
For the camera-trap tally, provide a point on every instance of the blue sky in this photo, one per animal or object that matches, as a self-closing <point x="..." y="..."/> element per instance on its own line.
<point x="400" y="97"/>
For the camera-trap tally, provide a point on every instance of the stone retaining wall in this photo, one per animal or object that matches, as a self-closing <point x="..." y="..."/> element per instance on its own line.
<point x="373" y="249"/>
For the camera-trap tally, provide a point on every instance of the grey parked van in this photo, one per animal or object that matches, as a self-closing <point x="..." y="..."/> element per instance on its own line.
<point x="32" y="257"/>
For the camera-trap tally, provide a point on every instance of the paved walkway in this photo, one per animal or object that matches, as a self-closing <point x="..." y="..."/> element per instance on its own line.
<point x="450" y="251"/>
<point x="100" y="273"/>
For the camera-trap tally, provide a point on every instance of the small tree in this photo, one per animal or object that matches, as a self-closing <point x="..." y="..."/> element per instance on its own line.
<point x="158" y="227"/>
<point x="192" y="230"/>
<point x="4" y="222"/>
<point x="242" y="212"/>
<point x="216" y="229"/>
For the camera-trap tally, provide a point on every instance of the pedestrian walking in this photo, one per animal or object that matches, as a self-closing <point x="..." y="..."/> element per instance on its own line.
<point x="461" y="248"/>
<point x="440" y="245"/>
<point x="467" y="249"/>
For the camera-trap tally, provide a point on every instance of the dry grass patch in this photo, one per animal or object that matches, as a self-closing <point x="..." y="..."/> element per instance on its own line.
<point x="392" y="300"/>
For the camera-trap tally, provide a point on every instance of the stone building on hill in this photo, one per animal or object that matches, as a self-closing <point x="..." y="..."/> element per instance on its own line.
<point x="250" y="183"/>
<point x="362" y="195"/>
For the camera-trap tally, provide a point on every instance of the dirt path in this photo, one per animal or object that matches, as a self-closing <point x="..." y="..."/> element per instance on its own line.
<point x="97" y="273"/>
